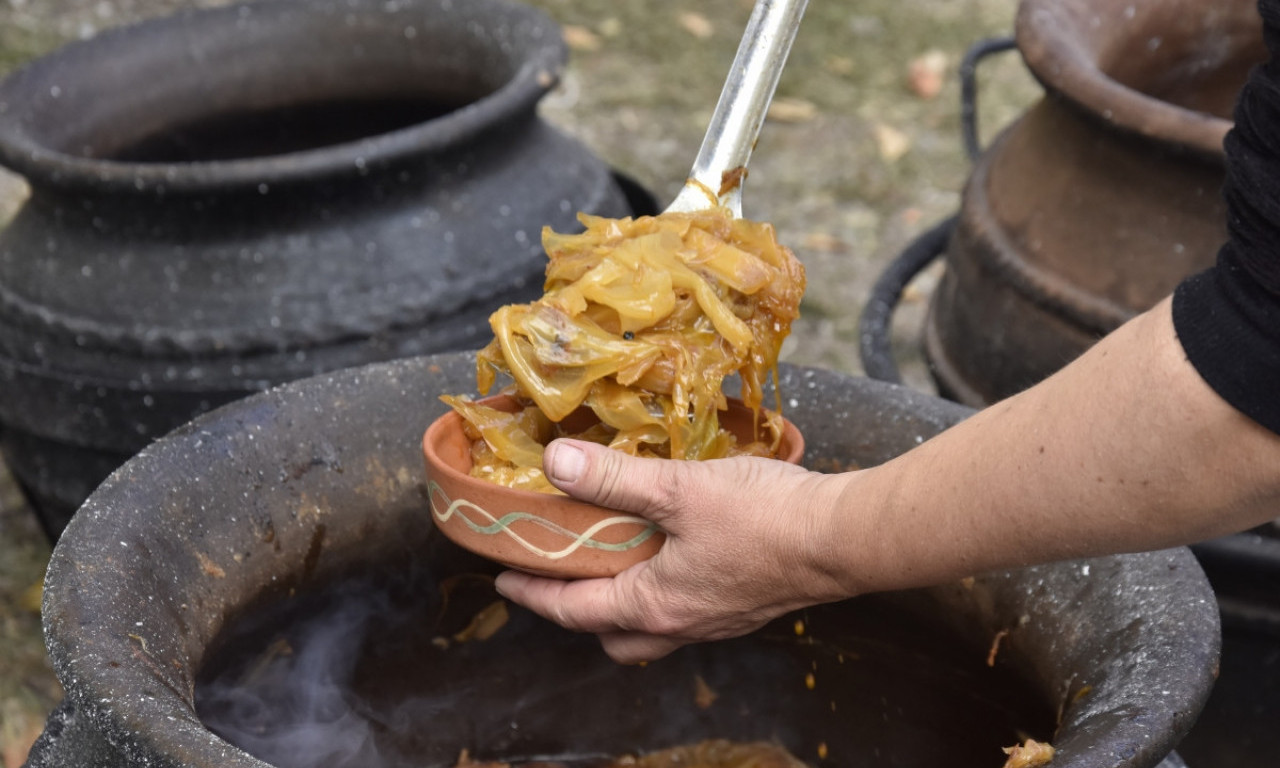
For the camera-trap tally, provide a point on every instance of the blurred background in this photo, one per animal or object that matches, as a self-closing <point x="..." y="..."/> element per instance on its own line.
<point x="862" y="153"/>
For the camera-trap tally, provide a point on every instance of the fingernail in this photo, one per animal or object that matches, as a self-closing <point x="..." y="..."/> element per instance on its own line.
<point x="499" y="581"/>
<point x="565" y="462"/>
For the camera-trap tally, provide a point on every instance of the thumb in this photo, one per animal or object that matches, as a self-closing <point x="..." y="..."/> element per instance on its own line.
<point x="597" y="474"/>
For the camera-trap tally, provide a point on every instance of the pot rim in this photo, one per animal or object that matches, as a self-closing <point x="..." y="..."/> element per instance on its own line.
<point x="536" y="51"/>
<point x="1052" y="38"/>
<point x="136" y="534"/>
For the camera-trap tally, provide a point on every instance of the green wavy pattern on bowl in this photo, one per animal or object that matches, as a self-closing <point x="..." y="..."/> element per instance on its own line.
<point x="445" y="509"/>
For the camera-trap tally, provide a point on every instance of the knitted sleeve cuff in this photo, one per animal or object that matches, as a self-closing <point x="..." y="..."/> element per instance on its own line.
<point x="1228" y="326"/>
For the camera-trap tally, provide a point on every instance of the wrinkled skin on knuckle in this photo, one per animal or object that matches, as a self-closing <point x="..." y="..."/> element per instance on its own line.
<point x="657" y="614"/>
<point x="561" y="612"/>
<point x="681" y="490"/>
<point x="750" y="522"/>
<point x="557" y="612"/>
<point x="611" y="480"/>
<point x="664" y="623"/>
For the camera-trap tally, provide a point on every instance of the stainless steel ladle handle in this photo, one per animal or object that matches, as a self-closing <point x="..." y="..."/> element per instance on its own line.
<point x="721" y="164"/>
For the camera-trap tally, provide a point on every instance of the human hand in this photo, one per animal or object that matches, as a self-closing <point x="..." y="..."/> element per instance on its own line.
<point x="748" y="539"/>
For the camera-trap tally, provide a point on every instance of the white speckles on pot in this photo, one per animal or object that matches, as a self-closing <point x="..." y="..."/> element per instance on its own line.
<point x="1122" y="627"/>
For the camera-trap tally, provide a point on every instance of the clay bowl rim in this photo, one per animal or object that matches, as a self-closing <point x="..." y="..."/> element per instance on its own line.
<point x="33" y="158"/>
<point x="602" y="566"/>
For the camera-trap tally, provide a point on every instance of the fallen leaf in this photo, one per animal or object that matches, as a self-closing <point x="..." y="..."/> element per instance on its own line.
<point x="824" y="243"/>
<point x="892" y="143"/>
<point x="31" y="597"/>
<point x="792" y="110"/>
<point x="19" y="729"/>
<point x="580" y="38"/>
<point x="610" y="27"/>
<point x="697" y="25"/>
<point x="839" y="65"/>
<point x="926" y="72"/>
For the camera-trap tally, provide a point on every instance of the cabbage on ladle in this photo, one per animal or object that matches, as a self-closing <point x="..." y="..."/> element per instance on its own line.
<point x="641" y="321"/>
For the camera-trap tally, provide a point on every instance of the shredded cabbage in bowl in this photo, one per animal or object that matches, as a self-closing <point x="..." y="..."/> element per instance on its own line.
<point x="640" y="323"/>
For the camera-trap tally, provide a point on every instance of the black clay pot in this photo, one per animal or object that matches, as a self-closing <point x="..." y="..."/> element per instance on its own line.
<point x="184" y="591"/>
<point x="1099" y="200"/>
<point x="1236" y="727"/>
<point x="227" y="199"/>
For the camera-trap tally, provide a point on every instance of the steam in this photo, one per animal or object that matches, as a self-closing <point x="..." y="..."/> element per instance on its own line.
<point x="334" y="677"/>
<point x="393" y="670"/>
<point x="293" y="706"/>
<point x="400" y="671"/>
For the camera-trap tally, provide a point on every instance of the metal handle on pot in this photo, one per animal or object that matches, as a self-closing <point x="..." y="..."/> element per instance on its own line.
<point x="969" y="88"/>
<point x="875" y="345"/>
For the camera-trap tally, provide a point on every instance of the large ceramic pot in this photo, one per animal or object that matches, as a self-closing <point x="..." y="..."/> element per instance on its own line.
<point x="1088" y="209"/>
<point x="1094" y="204"/>
<point x="185" y="593"/>
<point x="1236" y="727"/>
<point x="227" y="199"/>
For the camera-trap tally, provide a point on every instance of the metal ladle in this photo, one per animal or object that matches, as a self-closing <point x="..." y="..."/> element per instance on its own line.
<point x="721" y="165"/>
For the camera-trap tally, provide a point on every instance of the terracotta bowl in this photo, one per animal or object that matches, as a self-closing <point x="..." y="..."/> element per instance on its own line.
<point x="547" y="534"/>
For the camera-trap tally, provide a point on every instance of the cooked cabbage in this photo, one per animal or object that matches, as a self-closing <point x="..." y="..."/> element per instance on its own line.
<point x="640" y="322"/>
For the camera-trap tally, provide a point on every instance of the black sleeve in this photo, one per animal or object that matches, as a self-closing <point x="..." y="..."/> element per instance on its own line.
<point x="1228" y="317"/>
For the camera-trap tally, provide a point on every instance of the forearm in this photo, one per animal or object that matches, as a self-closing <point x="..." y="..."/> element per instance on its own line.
<point x="1125" y="449"/>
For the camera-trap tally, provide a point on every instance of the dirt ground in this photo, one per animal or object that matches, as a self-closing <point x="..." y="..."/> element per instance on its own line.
<point x="861" y="154"/>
